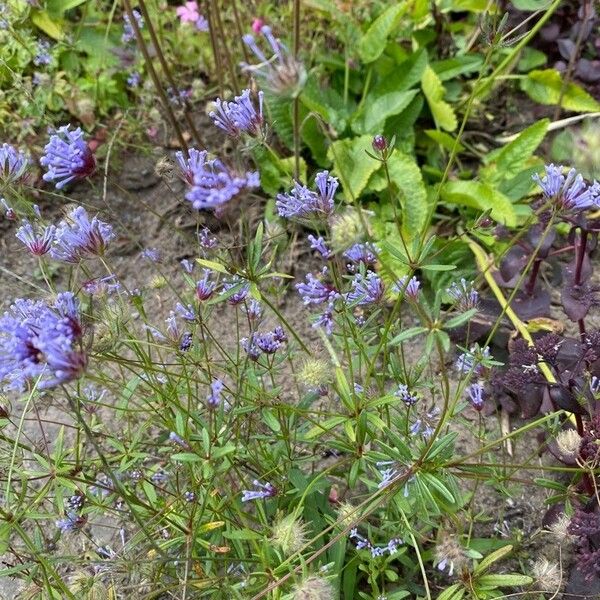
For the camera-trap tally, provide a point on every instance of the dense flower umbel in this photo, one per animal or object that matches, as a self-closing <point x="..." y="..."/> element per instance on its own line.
<point x="410" y="289"/>
<point x="67" y="157"/>
<point x="212" y="183"/>
<point x="366" y="289"/>
<point x="302" y="203"/>
<point x="464" y="294"/>
<point x="363" y="543"/>
<point x="570" y="192"/>
<point x="314" y="291"/>
<point x="38" y="239"/>
<point x="362" y="253"/>
<point x="280" y="73"/>
<point x="320" y="246"/>
<point x="13" y="164"/>
<point x="39" y="342"/>
<point x="79" y="237"/>
<point x="239" y="116"/>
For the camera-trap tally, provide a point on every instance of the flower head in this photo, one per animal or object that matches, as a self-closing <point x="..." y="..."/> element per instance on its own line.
<point x="314" y="588"/>
<point x="409" y="398"/>
<point x="302" y="203"/>
<point x="42" y="56"/>
<point x="281" y="73"/>
<point x="242" y="289"/>
<point x="410" y="288"/>
<point x="13" y="164"/>
<point x="71" y="522"/>
<point x="475" y="394"/>
<point x="320" y="246"/>
<point x="362" y="253"/>
<point x="464" y="294"/>
<point x="366" y="289"/>
<point x="205" y="287"/>
<point x="570" y="192"/>
<point x="314" y="291"/>
<point x="79" y="237"/>
<point x="67" y="157"/>
<point x="263" y="490"/>
<point x="212" y="183"/>
<point x="128" y="30"/>
<point x="38" y="239"/>
<point x="215" y="397"/>
<point x="239" y="116"/>
<point x="569" y="442"/>
<point x="289" y="534"/>
<point x="39" y="343"/>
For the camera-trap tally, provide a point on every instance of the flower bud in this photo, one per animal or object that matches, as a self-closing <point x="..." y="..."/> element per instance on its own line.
<point x="379" y="143"/>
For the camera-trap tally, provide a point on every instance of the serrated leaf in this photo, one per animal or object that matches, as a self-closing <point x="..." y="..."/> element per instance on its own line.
<point x="373" y="42"/>
<point x="406" y="75"/>
<point x="481" y="196"/>
<point x="511" y="159"/>
<point x="434" y="91"/>
<point x="406" y="176"/>
<point x="544" y="86"/>
<point x="377" y="110"/>
<point x="352" y="164"/>
<point x="41" y="19"/>
<point x="508" y="579"/>
<point x="326" y="102"/>
<point x="280" y="115"/>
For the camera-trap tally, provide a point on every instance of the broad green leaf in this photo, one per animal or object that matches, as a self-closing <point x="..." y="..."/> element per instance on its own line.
<point x="373" y="42"/>
<point x="481" y="196"/>
<point x="378" y="110"/>
<point x="408" y="185"/>
<point x="445" y="140"/>
<point x="478" y="6"/>
<point x="280" y="115"/>
<point x="41" y="19"/>
<point x="326" y="102"/>
<point x="352" y="164"/>
<point x="57" y="8"/>
<point x="545" y="87"/>
<point x="434" y="91"/>
<point x="404" y="76"/>
<point x="509" y="579"/>
<point x="459" y="65"/>
<point x="511" y="159"/>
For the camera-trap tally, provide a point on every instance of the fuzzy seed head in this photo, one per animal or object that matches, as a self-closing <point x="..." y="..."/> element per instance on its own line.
<point x="568" y="442"/>
<point x="314" y="373"/>
<point x="547" y="574"/>
<point x="449" y="554"/>
<point x="346" y="230"/>
<point x="289" y="534"/>
<point x="158" y="282"/>
<point x="347" y="515"/>
<point x="164" y="168"/>
<point x="314" y="588"/>
<point x="560" y="529"/>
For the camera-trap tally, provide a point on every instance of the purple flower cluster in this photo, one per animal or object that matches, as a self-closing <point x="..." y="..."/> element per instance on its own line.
<point x="239" y="116"/>
<point x="42" y="56"/>
<point x="475" y="394"/>
<point x="320" y="246"/>
<point x="13" y="164"/>
<point x="314" y="291"/>
<point x="215" y="397"/>
<point x="265" y="490"/>
<point x="363" y="543"/>
<point x="38" y="239"/>
<point x="267" y="343"/>
<point x="71" y="522"/>
<point x="570" y="192"/>
<point x="362" y="253"/>
<point x="471" y="362"/>
<point x="406" y="395"/>
<point x="464" y="294"/>
<point x="40" y="343"/>
<point x="280" y="73"/>
<point x="242" y="290"/>
<point x="128" y="31"/>
<point x="410" y="289"/>
<point x="79" y="237"/>
<point x="212" y="183"/>
<point x="302" y="203"/>
<point x="366" y="289"/>
<point x="388" y="470"/>
<point x="67" y="157"/>
<point x="205" y="286"/>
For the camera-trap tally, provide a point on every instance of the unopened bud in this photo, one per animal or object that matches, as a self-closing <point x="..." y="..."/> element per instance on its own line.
<point x="379" y="143"/>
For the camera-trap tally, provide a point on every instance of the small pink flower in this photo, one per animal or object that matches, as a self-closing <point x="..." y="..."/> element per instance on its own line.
<point x="257" y="25"/>
<point x="189" y="12"/>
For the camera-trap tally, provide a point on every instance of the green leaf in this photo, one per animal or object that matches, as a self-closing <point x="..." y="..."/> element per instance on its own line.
<point x="445" y="140"/>
<point x="490" y="559"/>
<point x="510" y="159"/>
<point x="407" y="334"/>
<point x="325" y="102"/>
<point x="459" y="65"/>
<point x="57" y="8"/>
<point x="438" y="486"/>
<point x="280" y="115"/>
<point x="531" y="5"/>
<point x="434" y="91"/>
<point x="458" y="320"/>
<point x="374" y="41"/>
<point x="372" y="119"/>
<point x="404" y="76"/>
<point x="242" y="534"/>
<point x="186" y="457"/>
<point x="481" y="196"/>
<point x="352" y="164"/>
<point x="271" y="420"/>
<point x="407" y="181"/>
<point x="41" y="19"/>
<point x="545" y="87"/>
<point x="454" y="592"/>
<point x="509" y="579"/>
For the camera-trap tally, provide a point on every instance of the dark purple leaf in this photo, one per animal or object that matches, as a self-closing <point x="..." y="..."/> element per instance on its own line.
<point x="512" y="266"/>
<point x="531" y="306"/>
<point x="588" y="70"/>
<point x="564" y="398"/>
<point x="566" y="47"/>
